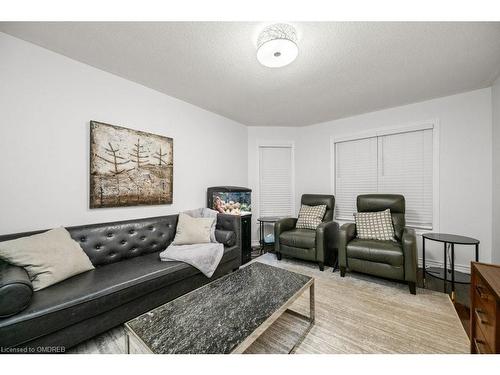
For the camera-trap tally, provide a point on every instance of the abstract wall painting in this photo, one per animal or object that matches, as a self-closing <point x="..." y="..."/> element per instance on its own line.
<point x="129" y="167"/>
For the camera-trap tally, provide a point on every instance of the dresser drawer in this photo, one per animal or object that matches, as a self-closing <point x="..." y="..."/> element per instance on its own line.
<point x="484" y="313"/>
<point x="479" y="343"/>
<point x="483" y="291"/>
<point x="485" y="308"/>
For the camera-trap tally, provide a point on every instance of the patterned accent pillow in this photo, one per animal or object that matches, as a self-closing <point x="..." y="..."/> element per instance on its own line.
<point x="375" y="225"/>
<point x="310" y="216"/>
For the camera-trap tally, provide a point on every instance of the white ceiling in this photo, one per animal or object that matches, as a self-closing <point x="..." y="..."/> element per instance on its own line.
<point x="343" y="69"/>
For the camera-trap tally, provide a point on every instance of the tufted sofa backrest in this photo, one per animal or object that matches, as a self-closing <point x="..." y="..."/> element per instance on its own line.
<point x="106" y="243"/>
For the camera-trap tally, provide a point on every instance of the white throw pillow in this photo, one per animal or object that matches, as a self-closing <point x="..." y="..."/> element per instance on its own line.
<point x="192" y="230"/>
<point x="375" y="225"/>
<point x="207" y="213"/>
<point x="48" y="257"/>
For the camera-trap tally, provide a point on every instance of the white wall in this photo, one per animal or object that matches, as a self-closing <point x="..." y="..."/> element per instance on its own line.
<point x="465" y="161"/>
<point x="46" y="103"/>
<point x="495" y="100"/>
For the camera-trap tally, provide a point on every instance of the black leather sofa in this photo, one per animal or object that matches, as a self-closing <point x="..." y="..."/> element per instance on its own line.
<point x="129" y="280"/>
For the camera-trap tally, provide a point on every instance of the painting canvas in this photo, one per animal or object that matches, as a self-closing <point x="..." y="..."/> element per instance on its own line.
<point x="129" y="167"/>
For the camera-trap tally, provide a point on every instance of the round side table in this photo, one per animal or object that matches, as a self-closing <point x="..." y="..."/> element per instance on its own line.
<point x="449" y="241"/>
<point x="262" y="221"/>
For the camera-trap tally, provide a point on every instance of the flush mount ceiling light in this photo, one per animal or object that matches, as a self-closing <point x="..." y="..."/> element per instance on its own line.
<point x="277" y="45"/>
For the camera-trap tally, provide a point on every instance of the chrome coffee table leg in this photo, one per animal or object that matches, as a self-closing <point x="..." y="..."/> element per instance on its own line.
<point x="127" y="343"/>
<point x="311" y="319"/>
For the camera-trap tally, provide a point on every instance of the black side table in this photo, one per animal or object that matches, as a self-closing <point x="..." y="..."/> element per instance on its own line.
<point x="448" y="240"/>
<point x="262" y="221"/>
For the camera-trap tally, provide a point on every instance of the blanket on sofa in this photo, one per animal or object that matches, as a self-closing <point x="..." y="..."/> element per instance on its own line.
<point x="205" y="257"/>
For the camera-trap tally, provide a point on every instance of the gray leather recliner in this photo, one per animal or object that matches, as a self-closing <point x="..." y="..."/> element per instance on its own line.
<point x="314" y="245"/>
<point x="390" y="259"/>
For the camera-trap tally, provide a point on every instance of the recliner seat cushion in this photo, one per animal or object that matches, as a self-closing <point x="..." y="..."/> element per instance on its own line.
<point x="388" y="252"/>
<point x="303" y="238"/>
<point x="93" y="293"/>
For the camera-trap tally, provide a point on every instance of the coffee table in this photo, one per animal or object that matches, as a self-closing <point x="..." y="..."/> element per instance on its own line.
<point x="224" y="316"/>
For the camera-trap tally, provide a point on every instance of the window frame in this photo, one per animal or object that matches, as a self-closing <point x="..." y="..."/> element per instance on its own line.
<point x="382" y="131"/>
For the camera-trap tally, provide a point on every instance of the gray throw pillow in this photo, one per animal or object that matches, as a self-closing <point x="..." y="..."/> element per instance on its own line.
<point x="192" y="230"/>
<point x="375" y="225"/>
<point x="48" y="257"/>
<point x="310" y="216"/>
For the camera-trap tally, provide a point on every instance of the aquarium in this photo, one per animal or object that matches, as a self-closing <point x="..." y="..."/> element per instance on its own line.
<point x="230" y="200"/>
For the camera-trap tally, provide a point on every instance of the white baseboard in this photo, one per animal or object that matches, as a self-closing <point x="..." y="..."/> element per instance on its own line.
<point x="428" y="263"/>
<point x="432" y="263"/>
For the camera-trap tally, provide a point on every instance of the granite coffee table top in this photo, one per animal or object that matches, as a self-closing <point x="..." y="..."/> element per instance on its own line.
<point x="219" y="316"/>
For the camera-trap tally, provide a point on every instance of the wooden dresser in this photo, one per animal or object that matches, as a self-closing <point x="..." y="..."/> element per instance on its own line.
<point x="485" y="308"/>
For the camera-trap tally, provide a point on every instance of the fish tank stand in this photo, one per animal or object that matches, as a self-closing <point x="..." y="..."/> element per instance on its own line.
<point x="235" y="200"/>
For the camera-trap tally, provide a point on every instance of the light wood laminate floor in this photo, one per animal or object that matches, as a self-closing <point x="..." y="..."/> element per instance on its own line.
<point x="355" y="314"/>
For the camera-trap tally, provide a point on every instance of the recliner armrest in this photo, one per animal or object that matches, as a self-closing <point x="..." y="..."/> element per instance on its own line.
<point x="285" y="224"/>
<point x="326" y="239"/>
<point x="347" y="233"/>
<point x="282" y="226"/>
<point x="409" y="243"/>
<point x="16" y="289"/>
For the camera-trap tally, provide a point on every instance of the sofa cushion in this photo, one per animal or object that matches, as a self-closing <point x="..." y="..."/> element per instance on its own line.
<point x="388" y="252"/>
<point x="303" y="238"/>
<point x="93" y="293"/>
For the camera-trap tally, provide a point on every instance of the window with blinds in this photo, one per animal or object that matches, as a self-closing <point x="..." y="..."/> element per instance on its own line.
<point x="400" y="163"/>
<point x="275" y="181"/>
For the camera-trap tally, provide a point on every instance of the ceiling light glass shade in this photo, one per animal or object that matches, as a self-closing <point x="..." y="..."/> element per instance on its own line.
<point x="277" y="45"/>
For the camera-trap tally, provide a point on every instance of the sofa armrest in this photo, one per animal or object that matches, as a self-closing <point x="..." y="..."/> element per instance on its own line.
<point x="16" y="289"/>
<point x="409" y="243"/>
<point x="225" y="237"/>
<point x="231" y="223"/>
<point x="326" y="240"/>
<point x="347" y="233"/>
<point x="282" y="226"/>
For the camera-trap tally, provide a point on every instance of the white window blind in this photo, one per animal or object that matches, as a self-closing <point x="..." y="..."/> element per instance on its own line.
<point x="276" y="185"/>
<point x="355" y="173"/>
<point x="393" y="164"/>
